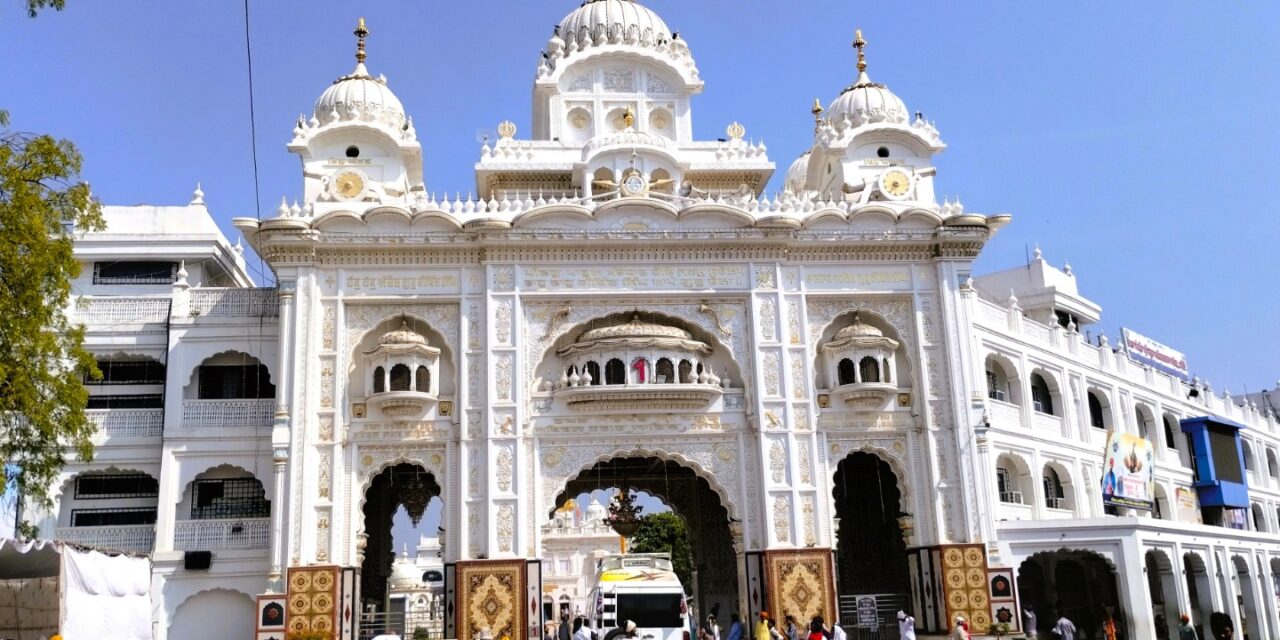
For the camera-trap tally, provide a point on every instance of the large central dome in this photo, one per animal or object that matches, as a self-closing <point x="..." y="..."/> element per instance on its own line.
<point x="612" y="21"/>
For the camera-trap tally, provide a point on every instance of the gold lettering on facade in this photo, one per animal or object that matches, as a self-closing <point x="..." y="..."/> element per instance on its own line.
<point x="657" y="277"/>
<point x="403" y="283"/>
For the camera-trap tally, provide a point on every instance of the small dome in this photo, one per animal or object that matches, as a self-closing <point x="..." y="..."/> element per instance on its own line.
<point x="635" y="329"/>
<point x="612" y="21"/>
<point x="596" y="512"/>
<point x="405" y="574"/>
<point x="402" y="336"/>
<point x="867" y="102"/>
<point x="858" y="330"/>
<point x="798" y="174"/>
<point x="360" y="97"/>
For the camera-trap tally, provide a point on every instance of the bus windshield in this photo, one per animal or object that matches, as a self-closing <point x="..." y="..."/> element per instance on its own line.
<point x="650" y="609"/>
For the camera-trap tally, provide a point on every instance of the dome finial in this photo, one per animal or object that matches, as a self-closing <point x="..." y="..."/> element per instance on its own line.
<point x="628" y="117"/>
<point x="817" y="113"/>
<point x="361" y="33"/>
<point x="860" y="44"/>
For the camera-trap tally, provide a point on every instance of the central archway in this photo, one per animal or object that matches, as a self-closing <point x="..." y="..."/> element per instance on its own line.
<point x="694" y="500"/>
<point x="871" y="552"/>
<point x="1079" y="584"/>
<point x="404" y="485"/>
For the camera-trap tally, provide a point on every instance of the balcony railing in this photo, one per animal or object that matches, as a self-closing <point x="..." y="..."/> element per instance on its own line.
<point x="131" y="537"/>
<point x="117" y="310"/>
<point x="1047" y="422"/>
<point x="127" y="422"/>
<point x="1004" y="415"/>
<point x="244" y="303"/>
<point x="231" y="533"/>
<point x="227" y="414"/>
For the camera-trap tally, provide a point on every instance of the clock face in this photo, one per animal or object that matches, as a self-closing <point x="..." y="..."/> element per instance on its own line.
<point x="633" y="184"/>
<point x="348" y="184"/>
<point x="895" y="183"/>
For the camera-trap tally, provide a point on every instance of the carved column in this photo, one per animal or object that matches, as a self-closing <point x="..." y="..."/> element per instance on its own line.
<point x="280" y="436"/>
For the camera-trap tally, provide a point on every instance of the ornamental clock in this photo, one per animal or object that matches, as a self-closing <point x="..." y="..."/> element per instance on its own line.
<point x="347" y="185"/>
<point x="895" y="183"/>
<point x="634" y="184"/>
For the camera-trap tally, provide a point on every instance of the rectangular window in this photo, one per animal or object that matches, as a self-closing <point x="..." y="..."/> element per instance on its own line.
<point x="110" y="517"/>
<point x="229" y="498"/>
<point x="117" y="272"/>
<point x="130" y="372"/>
<point x="120" y="485"/>
<point x="140" y="401"/>
<point x="993" y="390"/>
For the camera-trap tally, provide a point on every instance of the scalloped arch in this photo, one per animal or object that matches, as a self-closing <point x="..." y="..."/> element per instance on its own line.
<point x="191" y="374"/>
<point x="552" y="210"/>
<point x="709" y="209"/>
<point x="562" y="482"/>
<point x="895" y="465"/>
<point x="652" y="204"/>
<point x="334" y="217"/>
<point x="398" y="214"/>
<point x="436" y="214"/>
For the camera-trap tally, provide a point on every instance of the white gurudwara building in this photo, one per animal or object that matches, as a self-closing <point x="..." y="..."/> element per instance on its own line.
<point x="850" y="420"/>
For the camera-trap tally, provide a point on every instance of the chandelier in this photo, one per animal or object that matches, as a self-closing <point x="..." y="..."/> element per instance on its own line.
<point x="414" y="496"/>
<point x="624" y="514"/>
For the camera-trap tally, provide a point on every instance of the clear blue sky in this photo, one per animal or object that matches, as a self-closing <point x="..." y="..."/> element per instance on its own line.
<point x="1138" y="140"/>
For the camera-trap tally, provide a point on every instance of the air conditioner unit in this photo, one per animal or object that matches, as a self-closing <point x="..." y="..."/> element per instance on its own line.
<point x="997" y="394"/>
<point x="1039" y="406"/>
<point x="1011" y="497"/>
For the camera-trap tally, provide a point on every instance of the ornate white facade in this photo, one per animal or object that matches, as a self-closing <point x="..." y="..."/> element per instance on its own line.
<point x="620" y="291"/>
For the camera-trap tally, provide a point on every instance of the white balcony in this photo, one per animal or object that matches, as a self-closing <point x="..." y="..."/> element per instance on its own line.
<point x="118" y="310"/>
<point x="865" y="396"/>
<point x="1004" y="415"/>
<point x="127" y="423"/>
<point x="242" y="303"/>
<point x="1047" y="423"/>
<point x="131" y="537"/>
<point x="229" y="533"/>
<point x="228" y="414"/>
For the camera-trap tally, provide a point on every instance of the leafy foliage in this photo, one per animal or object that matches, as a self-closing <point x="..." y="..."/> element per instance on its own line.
<point x="42" y="358"/>
<point x="660" y="532"/>
<point x="34" y="6"/>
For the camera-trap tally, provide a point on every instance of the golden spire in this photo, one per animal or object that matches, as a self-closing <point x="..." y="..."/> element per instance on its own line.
<point x="860" y="44"/>
<point x="817" y="113"/>
<point x="628" y="118"/>
<point x="361" y="33"/>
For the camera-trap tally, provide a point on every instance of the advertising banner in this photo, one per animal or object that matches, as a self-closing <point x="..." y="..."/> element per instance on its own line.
<point x="1127" y="472"/>
<point x="1151" y="353"/>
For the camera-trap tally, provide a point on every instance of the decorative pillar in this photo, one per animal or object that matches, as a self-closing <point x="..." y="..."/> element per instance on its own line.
<point x="280" y="436"/>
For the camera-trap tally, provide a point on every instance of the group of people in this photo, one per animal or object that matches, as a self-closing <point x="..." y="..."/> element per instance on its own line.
<point x="766" y="628"/>
<point x="581" y="629"/>
<point x="1220" y="627"/>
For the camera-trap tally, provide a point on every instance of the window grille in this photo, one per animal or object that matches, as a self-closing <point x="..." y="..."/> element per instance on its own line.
<point x="665" y="371"/>
<point x="400" y="377"/>
<point x="845" y="372"/>
<point x="379" y="380"/>
<point x="229" y="498"/>
<point x="593" y="369"/>
<point x="869" y="369"/>
<point x="615" y="372"/>
<point x="1095" y="412"/>
<point x="112" y="517"/>
<point x="993" y="387"/>
<point x="137" y="401"/>
<point x="422" y="379"/>
<point x="128" y="372"/>
<point x="135" y="272"/>
<point x="117" y="485"/>
<point x="227" y="382"/>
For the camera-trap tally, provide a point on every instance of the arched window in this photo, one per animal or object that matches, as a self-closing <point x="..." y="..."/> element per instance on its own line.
<point x="379" y="380"/>
<point x="1007" y="484"/>
<point x="1095" y="412"/>
<point x="1001" y="385"/>
<point x="1041" y="398"/>
<point x="665" y="371"/>
<point x="1272" y="469"/>
<point x="1259" y="520"/>
<point x="568" y="373"/>
<point x="400" y="377"/>
<point x="686" y="371"/>
<point x="422" y="382"/>
<point x="1140" y="419"/>
<point x="1054" y="496"/>
<point x="1169" y="430"/>
<point x="1248" y="455"/>
<point x="869" y="369"/>
<point x="615" y="372"/>
<point x="887" y="376"/>
<point x="846" y="372"/>
<point x="593" y="369"/>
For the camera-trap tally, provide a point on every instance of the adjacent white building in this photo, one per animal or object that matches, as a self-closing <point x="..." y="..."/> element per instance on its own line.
<point x="800" y="376"/>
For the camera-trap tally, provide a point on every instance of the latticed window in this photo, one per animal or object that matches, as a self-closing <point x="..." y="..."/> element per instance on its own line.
<point x="113" y="517"/>
<point x="400" y="377"/>
<point x="869" y="369"/>
<point x="665" y="371"/>
<point x="379" y="380"/>
<point x="117" y="272"/>
<point x="686" y="371"/>
<point x="1054" y="497"/>
<point x="593" y="369"/>
<point x="224" y="382"/>
<point x="1095" y="412"/>
<point x="993" y="386"/>
<point x="885" y="370"/>
<point x="229" y="498"/>
<point x="845" y="372"/>
<point x="615" y="372"/>
<point x="1041" y="399"/>
<point x="422" y="379"/>
<point x="129" y="372"/>
<point x="132" y="401"/>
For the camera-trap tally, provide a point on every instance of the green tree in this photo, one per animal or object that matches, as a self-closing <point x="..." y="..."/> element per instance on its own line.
<point x="34" y="6"/>
<point x="42" y="356"/>
<point x="661" y="532"/>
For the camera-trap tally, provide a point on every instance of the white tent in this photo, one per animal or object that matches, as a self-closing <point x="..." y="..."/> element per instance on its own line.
<point x="49" y="587"/>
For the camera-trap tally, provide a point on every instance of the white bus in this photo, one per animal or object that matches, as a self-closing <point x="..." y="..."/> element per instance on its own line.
<point x="642" y="588"/>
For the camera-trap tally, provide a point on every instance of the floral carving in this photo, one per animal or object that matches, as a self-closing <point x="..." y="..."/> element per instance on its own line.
<point x="782" y="518"/>
<point x="777" y="462"/>
<point x="326" y="464"/>
<point x="768" y="319"/>
<point x="793" y="321"/>
<point x="806" y="510"/>
<point x="326" y="384"/>
<point x="806" y="467"/>
<point x="326" y="429"/>
<point x="502" y="376"/>
<point x="765" y="276"/>
<point x="504" y="278"/>
<point x="473" y="326"/>
<point x="772" y="386"/>
<point x="329" y="329"/>
<point x="504" y="469"/>
<point x="502" y="321"/>
<point x="474" y="367"/>
<point x="797" y="375"/>
<point x="506" y="528"/>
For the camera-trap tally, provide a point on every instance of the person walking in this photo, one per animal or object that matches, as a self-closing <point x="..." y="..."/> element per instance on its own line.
<point x="1185" y="630"/>
<point x="961" y="629"/>
<point x="710" y="630"/>
<point x="1064" y="629"/>
<point x="1109" y="630"/>
<point x="736" y="629"/>
<point x="792" y="630"/>
<point x="762" y="626"/>
<point x="906" y="626"/>
<point x="1029" y="622"/>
